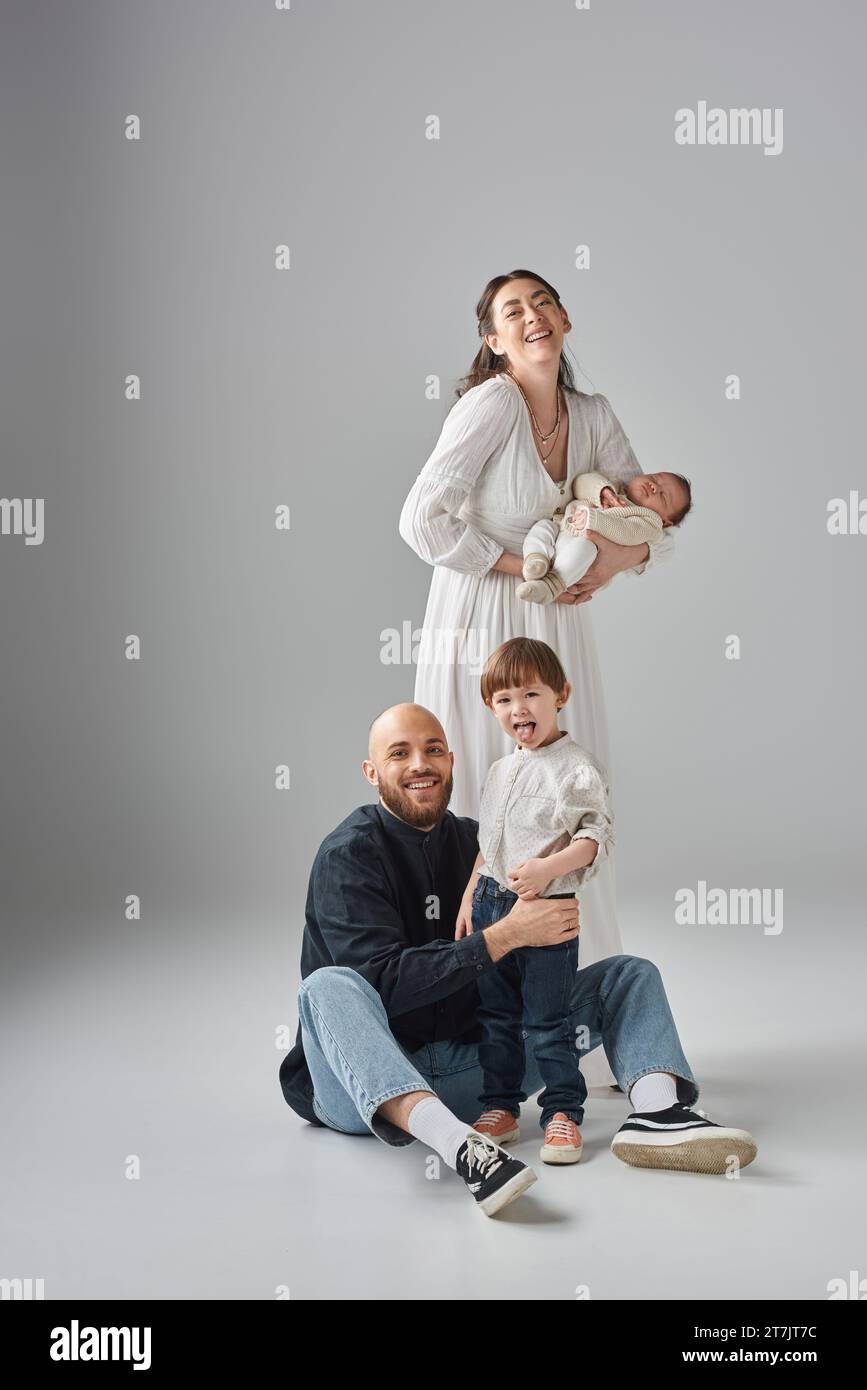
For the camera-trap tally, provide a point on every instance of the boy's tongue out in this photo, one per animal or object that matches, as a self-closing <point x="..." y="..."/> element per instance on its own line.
<point x="525" y="731"/>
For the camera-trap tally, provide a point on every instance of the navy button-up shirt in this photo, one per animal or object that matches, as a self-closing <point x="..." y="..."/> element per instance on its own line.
<point x="383" y="898"/>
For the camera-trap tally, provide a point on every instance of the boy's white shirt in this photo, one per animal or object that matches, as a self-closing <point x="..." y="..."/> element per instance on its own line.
<point x="536" y="801"/>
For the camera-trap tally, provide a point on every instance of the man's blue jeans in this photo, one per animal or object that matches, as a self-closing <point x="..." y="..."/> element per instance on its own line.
<point x="528" y="994"/>
<point x="357" y="1063"/>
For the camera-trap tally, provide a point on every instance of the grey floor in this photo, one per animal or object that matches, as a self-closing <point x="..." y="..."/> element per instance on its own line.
<point x="173" y="1059"/>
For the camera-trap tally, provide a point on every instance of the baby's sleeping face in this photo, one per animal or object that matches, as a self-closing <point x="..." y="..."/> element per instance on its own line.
<point x="662" y="493"/>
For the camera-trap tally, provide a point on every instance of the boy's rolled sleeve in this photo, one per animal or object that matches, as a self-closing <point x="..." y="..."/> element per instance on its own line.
<point x="584" y="809"/>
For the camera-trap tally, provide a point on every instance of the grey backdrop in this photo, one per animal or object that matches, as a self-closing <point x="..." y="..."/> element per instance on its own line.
<point x="306" y="387"/>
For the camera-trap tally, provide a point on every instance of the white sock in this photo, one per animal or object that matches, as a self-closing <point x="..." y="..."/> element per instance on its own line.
<point x="656" y="1091"/>
<point x="431" y="1122"/>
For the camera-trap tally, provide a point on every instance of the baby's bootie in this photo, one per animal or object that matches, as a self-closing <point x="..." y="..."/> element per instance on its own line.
<point x="541" y="590"/>
<point x="535" y="566"/>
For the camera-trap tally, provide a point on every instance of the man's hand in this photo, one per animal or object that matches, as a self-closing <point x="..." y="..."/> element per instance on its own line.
<point x="464" y="923"/>
<point x="542" y="922"/>
<point x="530" y="877"/>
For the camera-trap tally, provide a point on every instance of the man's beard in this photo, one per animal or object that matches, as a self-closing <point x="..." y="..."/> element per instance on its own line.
<point x="402" y="805"/>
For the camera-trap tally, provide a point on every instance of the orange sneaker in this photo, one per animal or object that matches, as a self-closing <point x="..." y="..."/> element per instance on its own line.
<point x="499" y="1125"/>
<point x="563" y="1142"/>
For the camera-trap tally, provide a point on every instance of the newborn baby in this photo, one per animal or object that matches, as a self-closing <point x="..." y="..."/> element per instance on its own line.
<point x="557" y="552"/>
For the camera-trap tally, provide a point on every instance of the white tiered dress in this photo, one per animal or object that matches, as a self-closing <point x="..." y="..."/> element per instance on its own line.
<point x="480" y="491"/>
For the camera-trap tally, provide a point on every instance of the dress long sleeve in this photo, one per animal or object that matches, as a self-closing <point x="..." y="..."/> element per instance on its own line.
<point x="475" y="428"/>
<point x="614" y="457"/>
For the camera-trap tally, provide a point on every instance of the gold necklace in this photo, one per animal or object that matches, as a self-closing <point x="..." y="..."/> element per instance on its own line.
<point x="543" y="437"/>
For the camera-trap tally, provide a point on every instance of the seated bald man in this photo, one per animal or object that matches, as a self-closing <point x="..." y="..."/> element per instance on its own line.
<point x="387" y="1039"/>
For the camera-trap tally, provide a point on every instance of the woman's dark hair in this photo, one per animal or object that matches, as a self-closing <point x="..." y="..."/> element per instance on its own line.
<point x="487" y="363"/>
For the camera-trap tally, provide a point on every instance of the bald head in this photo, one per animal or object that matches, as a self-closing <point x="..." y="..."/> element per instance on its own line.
<point x="406" y="723"/>
<point x="410" y="764"/>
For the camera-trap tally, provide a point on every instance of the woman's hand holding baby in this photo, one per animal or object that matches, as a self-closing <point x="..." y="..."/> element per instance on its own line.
<point x="611" y="560"/>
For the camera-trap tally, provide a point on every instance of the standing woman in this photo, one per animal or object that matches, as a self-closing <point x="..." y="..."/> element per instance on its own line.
<point x="508" y="452"/>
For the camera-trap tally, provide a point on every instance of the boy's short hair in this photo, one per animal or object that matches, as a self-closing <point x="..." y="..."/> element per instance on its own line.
<point x="687" y="508"/>
<point x="521" y="661"/>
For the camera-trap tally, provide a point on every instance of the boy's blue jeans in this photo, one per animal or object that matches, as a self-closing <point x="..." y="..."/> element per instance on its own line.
<point x="357" y="1064"/>
<point x="530" y="989"/>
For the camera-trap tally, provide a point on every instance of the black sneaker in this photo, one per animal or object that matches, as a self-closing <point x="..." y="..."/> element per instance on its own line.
<point x="493" y="1176"/>
<point x="681" y="1138"/>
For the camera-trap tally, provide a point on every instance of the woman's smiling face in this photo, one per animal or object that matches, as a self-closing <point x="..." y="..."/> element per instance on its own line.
<point x="529" y="324"/>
